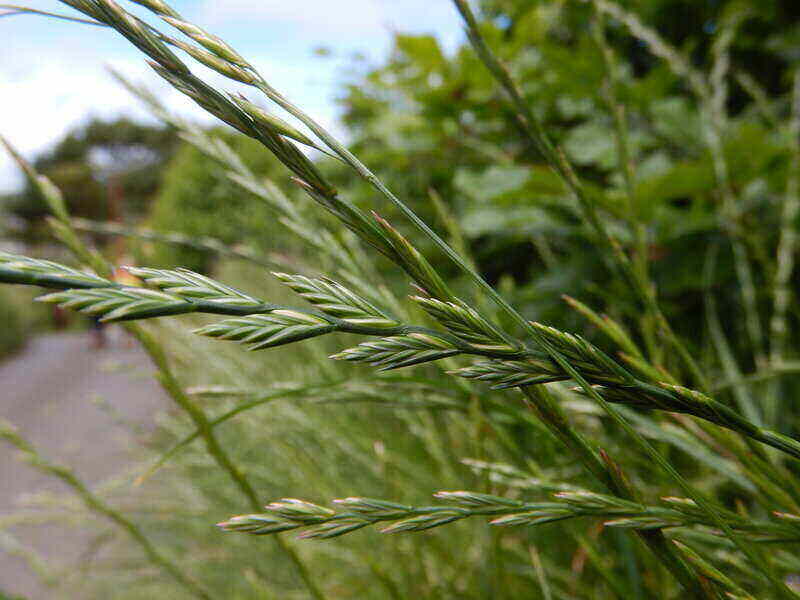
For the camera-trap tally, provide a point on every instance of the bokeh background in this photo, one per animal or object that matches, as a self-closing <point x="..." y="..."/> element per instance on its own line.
<point x="399" y="83"/>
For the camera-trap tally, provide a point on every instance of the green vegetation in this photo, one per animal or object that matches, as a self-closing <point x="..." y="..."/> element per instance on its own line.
<point x="12" y="335"/>
<point x="651" y="455"/>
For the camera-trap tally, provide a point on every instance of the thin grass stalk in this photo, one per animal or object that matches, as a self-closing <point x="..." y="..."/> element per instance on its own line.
<point x="716" y="107"/>
<point x="207" y="244"/>
<point x="720" y="343"/>
<point x="97" y="505"/>
<point x="626" y="167"/>
<point x="10" y="10"/>
<point x="787" y="243"/>
<point x="784" y="368"/>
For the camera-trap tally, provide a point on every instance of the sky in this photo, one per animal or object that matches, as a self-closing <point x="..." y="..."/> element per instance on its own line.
<point x="53" y="74"/>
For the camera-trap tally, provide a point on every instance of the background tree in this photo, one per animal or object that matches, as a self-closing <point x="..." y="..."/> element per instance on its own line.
<point x="106" y="169"/>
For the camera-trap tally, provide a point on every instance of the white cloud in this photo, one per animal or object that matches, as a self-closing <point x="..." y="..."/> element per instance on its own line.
<point x="360" y="21"/>
<point x="351" y="15"/>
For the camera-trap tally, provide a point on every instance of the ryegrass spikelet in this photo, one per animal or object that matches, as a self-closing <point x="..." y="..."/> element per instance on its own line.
<point x="399" y="351"/>
<point x="120" y="303"/>
<point x="503" y="374"/>
<point x="256" y="524"/>
<point x="336" y="300"/>
<point x="193" y="286"/>
<point x="212" y="61"/>
<point x="265" y="119"/>
<point x="591" y="501"/>
<point x="210" y="42"/>
<point x="424" y="522"/>
<point x="466" y="323"/>
<point x="469" y="499"/>
<point x="414" y="263"/>
<point x="584" y="356"/>
<point x="372" y="507"/>
<point x="15" y="268"/>
<point x="278" y="327"/>
<point x="300" y="511"/>
<point x="533" y="517"/>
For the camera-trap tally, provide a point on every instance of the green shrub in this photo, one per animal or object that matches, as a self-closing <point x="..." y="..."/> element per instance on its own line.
<point x="15" y="315"/>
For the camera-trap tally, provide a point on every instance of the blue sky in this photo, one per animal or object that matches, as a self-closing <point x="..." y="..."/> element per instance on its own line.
<point x="52" y="73"/>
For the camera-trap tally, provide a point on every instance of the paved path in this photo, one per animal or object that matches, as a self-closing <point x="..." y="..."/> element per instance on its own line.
<point x="48" y="392"/>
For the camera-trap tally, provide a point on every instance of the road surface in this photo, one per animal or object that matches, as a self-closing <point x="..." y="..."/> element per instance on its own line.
<point x="50" y="391"/>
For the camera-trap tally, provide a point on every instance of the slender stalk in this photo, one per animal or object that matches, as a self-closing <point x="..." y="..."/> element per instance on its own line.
<point x="787" y="244"/>
<point x="206" y="244"/>
<point x="626" y="167"/>
<point x="10" y="10"/>
<point x="724" y="352"/>
<point x="784" y="368"/>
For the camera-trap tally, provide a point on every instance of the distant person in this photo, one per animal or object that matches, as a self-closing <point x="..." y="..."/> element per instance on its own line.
<point x="97" y="334"/>
<point x="60" y="318"/>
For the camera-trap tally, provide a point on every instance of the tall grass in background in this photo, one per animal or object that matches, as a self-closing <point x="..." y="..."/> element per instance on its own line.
<point x="559" y="469"/>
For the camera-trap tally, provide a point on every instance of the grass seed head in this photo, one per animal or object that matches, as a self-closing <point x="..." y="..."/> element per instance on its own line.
<point x="423" y="522"/>
<point x="210" y="42"/>
<point x="157" y="6"/>
<point x="275" y="124"/>
<point x="212" y="61"/>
